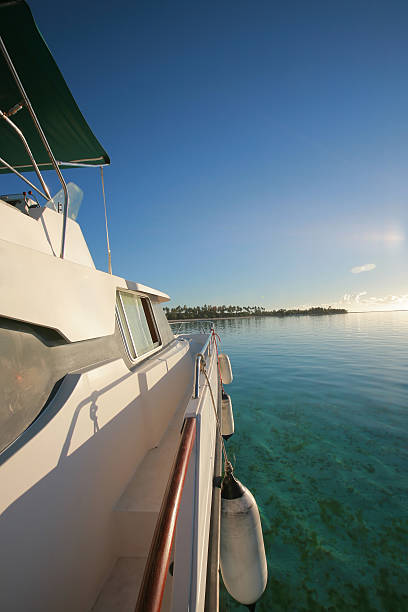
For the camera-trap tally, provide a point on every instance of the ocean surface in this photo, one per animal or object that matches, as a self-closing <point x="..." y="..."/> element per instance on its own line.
<point x="321" y="416"/>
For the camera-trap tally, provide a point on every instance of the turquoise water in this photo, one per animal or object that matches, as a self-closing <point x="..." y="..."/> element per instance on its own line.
<point x="321" y="407"/>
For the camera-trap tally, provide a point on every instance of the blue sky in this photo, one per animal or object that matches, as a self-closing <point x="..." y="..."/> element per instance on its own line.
<point x="259" y="149"/>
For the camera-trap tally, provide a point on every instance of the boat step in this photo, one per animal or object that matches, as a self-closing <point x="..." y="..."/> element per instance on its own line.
<point x="137" y="510"/>
<point x="122" y="586"/>
<point x="135" y="517"/>
<point x="121" y="589"/>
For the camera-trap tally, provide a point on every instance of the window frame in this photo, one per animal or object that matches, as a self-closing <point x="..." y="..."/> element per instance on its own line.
<point x="125" y="335"/>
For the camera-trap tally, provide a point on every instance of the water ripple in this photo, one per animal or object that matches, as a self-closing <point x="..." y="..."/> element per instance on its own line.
<point x="320" y="406"/>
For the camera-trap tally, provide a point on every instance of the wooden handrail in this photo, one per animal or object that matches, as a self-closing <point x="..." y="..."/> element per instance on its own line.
<point x="157" y="566"/>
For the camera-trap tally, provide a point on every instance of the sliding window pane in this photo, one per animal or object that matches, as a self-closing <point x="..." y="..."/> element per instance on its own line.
<point x="138" y="326"/>
<point x="125" y="329"/>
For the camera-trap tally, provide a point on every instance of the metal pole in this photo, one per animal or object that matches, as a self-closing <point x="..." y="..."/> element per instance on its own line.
<point x="27" y="148"/>
<point x="43" y="138"/>
<point x="80" y="164"/>
<point x="106" y="223"/>
<point x="196" y="393"/>
<point x="197" y="365"/>
<point x="3" y="161"/>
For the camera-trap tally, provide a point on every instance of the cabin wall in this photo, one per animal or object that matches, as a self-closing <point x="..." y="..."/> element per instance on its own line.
<point x="60" y="488"/>
<point x="41" y="230"/>
<point x="68" y="295"/>
<point x="77" y="301"/>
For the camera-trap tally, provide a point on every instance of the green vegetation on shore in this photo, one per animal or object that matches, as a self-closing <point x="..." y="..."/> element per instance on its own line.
<point x="216" y="312"/>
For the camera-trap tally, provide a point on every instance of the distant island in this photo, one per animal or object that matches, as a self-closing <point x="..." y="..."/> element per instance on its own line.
<point x="186" y="313"/>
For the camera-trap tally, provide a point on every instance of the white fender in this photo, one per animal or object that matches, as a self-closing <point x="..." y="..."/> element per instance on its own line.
<point x="242" y="552"/>
<point x="225" y="369"/>
<point x="227" y="416"/>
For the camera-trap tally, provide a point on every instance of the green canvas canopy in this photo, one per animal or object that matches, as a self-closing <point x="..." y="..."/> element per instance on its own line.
<point x="69" y="136"/>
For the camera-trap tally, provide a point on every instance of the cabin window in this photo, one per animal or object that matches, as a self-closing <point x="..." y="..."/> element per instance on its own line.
<point x="137" y="323"/>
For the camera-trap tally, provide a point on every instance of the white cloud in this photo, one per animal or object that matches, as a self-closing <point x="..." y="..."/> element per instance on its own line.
<point x="360" y="295"/>
<point x="363" y="302"/>
<point x="364" y="268"/>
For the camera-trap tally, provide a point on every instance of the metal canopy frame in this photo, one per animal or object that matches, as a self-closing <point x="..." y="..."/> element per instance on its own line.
<point x="25" y="143"/>
<point x="44" y="140"/>
<point x="23" y="178"/>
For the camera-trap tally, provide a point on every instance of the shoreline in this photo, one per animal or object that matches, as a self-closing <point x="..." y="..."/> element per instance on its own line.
<point x="212" y="320"/>
<point x="170" y="321"/>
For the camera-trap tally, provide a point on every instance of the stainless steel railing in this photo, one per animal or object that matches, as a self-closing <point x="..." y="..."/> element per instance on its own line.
<point x="199" y="357"/>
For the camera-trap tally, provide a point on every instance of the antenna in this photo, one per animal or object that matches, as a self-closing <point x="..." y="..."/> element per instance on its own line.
<point x="106" y="223"/>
